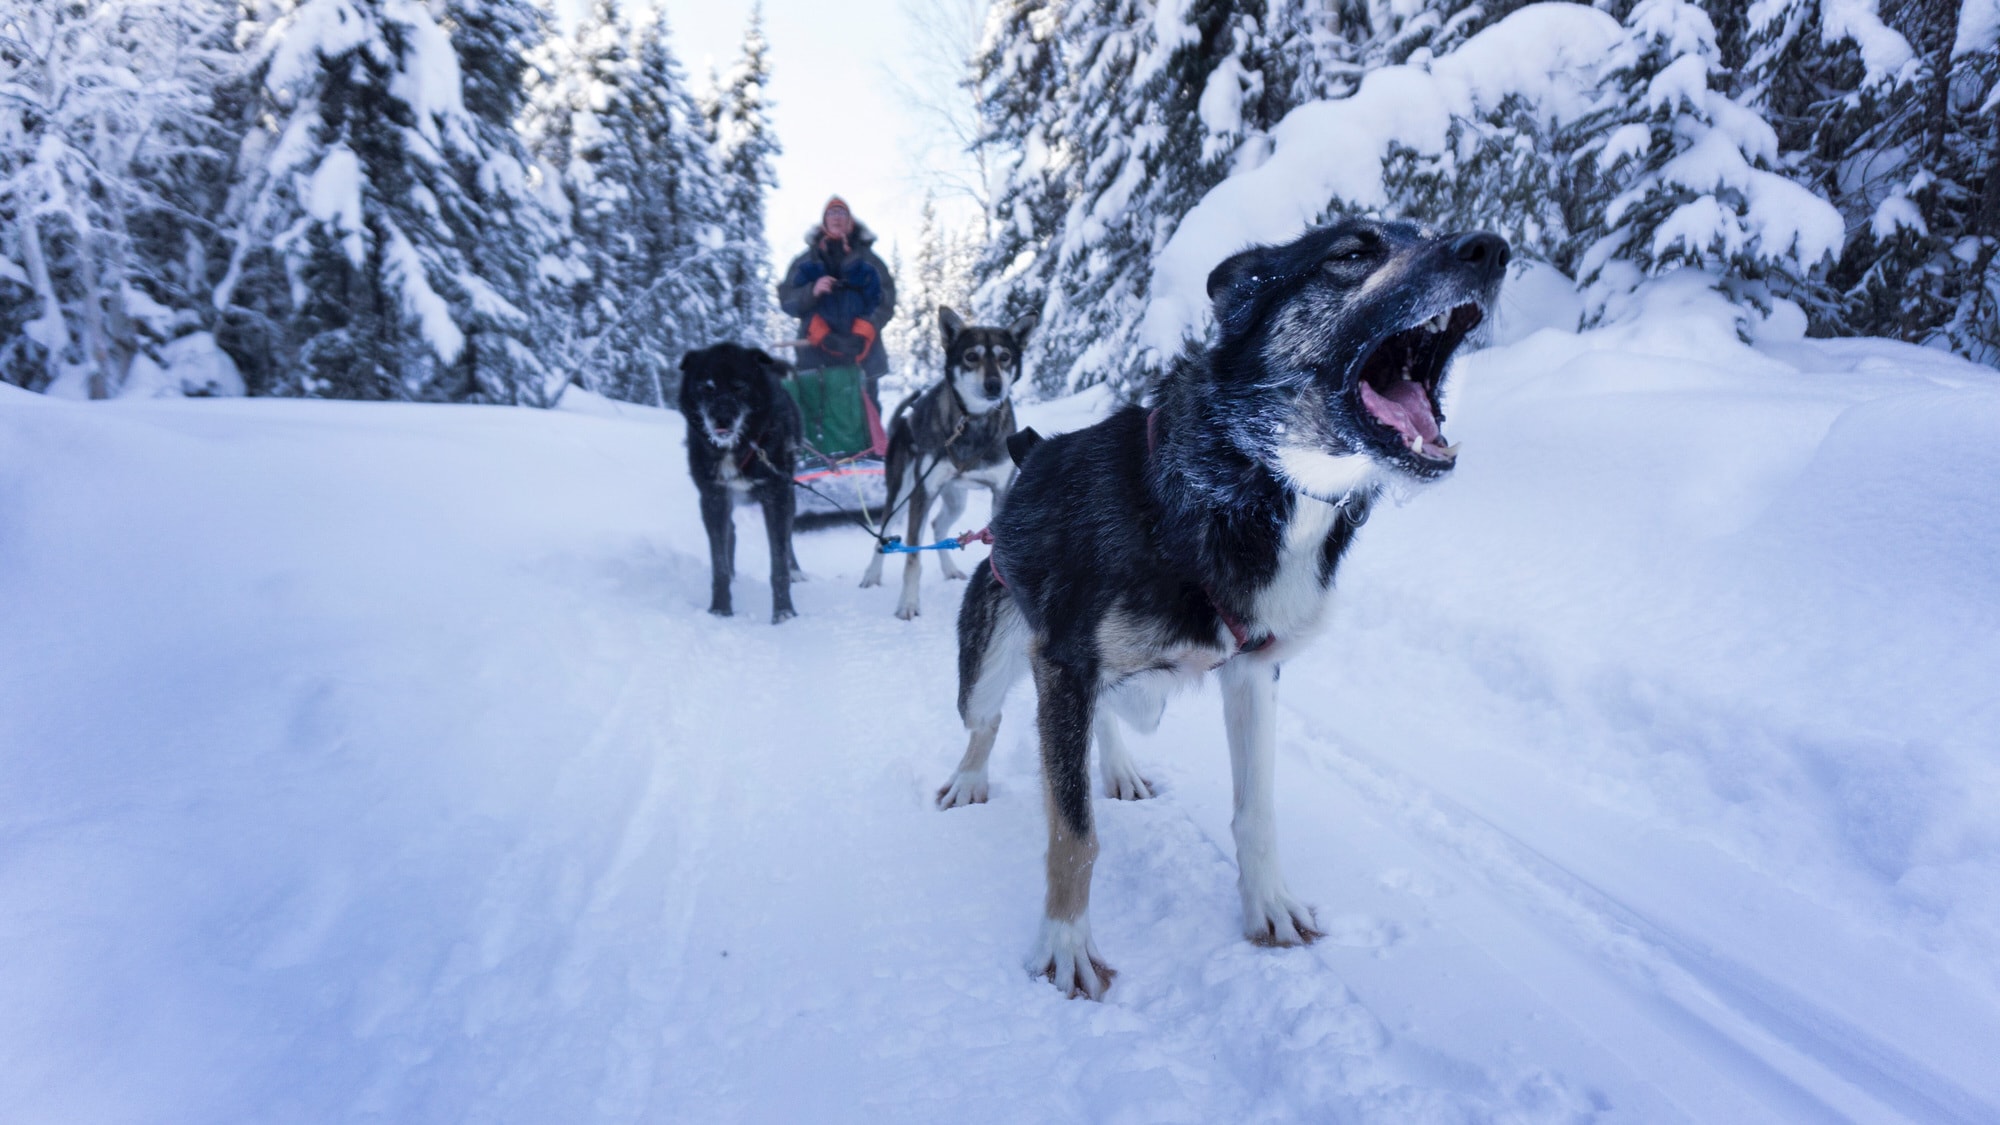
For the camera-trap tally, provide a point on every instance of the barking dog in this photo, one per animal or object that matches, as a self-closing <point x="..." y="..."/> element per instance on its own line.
<point x="952" y="436"/>
<point x="1203" y="535"/>
<point x="743" y="430"/>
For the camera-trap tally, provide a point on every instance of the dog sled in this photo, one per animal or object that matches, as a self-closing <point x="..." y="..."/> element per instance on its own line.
<point x="841" y="455"/>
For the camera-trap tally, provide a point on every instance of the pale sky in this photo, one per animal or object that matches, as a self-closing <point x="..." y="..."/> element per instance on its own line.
<point x="845" y="126"/>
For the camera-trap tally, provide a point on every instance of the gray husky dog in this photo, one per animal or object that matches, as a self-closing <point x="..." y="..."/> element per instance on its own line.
<point x="1203" y="534"/>
<point x="952" y="436"/>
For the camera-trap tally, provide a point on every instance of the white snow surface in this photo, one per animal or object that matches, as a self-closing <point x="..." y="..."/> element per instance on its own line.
<point x="371" y="762"/>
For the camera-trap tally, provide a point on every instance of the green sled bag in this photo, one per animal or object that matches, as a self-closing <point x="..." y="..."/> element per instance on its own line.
<point x="839" y="418"/>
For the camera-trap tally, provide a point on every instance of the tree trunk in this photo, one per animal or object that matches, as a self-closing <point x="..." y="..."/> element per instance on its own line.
<point x="38" y="274"/>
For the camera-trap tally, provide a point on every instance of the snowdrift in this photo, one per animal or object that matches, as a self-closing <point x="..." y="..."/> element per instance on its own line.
<point x="365" y="762"/>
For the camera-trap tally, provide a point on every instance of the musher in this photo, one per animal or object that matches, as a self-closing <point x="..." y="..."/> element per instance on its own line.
<point x="843" y="295"/>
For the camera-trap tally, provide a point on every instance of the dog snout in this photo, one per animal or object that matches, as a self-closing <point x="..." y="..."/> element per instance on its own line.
<point x="993" y="387"/>
<point x="1482" y="250"/>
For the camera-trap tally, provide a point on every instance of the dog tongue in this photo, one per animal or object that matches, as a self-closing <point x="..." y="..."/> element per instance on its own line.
<point x="1406" y="407"/>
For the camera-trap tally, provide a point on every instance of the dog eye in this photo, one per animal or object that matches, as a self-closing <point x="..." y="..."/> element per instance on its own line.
<point x="975" y="354"/>
<point x="1002" y="358"/>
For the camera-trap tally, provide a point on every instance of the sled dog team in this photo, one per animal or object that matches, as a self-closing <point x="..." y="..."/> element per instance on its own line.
<point x="1200" y="533"/>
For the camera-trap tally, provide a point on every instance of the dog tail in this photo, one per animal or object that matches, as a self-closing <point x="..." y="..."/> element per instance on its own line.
<point x="1022" y="442"/>
<point x="897" y="413"/>
<point x="983" y="672"/>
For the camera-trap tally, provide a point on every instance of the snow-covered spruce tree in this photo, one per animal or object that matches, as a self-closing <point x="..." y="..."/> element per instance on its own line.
<point x="1693" y="176"/>
<point x="646" y="205"/>
<point x="1525" y="167"/>
<point x="1114" y="144"/>
<point x="509" y="232"/>
<point x="353" y="272"/>
<point x="1921" y="174"/>
<point x="1019" y="75"/>
<point x="106" y="139"/>
<point x="1516" y="170"/>
<point x="1145" y="109"/>
<point x="739" y="129"/>
<point x="941" y="274"/>
<point x="685" y="258"/>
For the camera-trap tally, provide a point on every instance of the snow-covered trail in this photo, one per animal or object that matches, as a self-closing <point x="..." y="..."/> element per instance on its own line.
<point x="379" y="763"/>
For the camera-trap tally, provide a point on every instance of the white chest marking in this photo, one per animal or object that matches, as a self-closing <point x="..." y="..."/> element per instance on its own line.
<point x="732" y="475"/>
<point x="1325" y="475"/>
<point x="1291" y="606"/>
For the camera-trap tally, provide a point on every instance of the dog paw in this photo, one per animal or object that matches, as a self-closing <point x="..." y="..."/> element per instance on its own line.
<point x="1066" y="957"/>
<point x="1126" y="785"/>
<point x="780" y="616"/>
<point x="907" y="612"/>
<point x="965" y="788"/>
<point x="871" y="580"/>
<point x="1274" y="918"/>
<point x="798" y="575"/>
<point x="721" y="611"/>
<point x="950" y="569"/>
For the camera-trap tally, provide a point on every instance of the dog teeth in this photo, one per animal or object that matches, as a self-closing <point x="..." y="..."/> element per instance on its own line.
<point x="1416" y="443"/>
<point x="1440" y="322"/>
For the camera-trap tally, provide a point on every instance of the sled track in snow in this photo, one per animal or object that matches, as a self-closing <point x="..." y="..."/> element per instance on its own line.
<point x="1832" y="1066"/>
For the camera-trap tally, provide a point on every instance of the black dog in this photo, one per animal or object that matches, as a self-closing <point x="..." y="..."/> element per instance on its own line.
<point x="952" y="435"/>
<point x="743" y="432"/>
<point x="1203" y="534"/>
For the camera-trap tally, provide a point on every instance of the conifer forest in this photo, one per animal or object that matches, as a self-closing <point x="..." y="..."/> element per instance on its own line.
<point x="458" y="200"/>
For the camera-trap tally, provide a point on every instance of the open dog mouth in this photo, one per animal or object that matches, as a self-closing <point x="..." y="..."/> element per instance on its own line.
<point x="722" y="437"/>
<point x="1398" y="384"/>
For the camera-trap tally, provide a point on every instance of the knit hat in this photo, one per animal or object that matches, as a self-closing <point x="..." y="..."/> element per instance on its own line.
<point x="832" y="203"/>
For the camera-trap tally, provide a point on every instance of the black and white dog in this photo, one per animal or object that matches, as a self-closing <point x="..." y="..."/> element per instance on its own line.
<point x="1202" y="535"/>
<point x="952" y="436"/>
<point x="743" y="432"/>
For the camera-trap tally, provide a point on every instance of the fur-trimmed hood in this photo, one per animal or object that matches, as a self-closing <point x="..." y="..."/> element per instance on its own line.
<point x="862" y="238"/>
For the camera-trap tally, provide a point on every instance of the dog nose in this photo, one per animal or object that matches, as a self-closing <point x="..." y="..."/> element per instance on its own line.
<point x="1481" y="249"/>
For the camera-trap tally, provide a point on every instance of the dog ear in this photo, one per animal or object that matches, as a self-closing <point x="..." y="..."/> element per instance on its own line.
<point x="763" y="357"/>
<point x="1235" y="286"/>
<point x="1022" y="442"/>
<point x="951" y="324"/>
<point x="685" y="356"/>
<point x="1020" y="328"/>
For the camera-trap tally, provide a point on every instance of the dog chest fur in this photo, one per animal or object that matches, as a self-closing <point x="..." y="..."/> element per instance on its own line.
<point x="1293" y="604"/>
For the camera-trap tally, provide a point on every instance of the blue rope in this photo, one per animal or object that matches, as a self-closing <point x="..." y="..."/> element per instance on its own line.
<point x="894" y="546"/>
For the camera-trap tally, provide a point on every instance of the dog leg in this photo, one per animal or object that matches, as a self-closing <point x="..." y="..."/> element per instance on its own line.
<point x="992" y="655"/>
<point x="906" y="606"/>
<point x="895" y="479"/>
<point x="967" y="785"/>
<point x="798" y="572"/>
<point x="716" y="520"/>
<point x="1249" y="710"/>
<point x="777" y="503"/>
<point x="951" y="503"/>
<point x="1064" y="952"/>
<point x="1114" y="766"/>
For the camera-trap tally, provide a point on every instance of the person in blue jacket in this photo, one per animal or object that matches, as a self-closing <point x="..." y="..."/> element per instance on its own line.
<point x="842" y="294"/>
